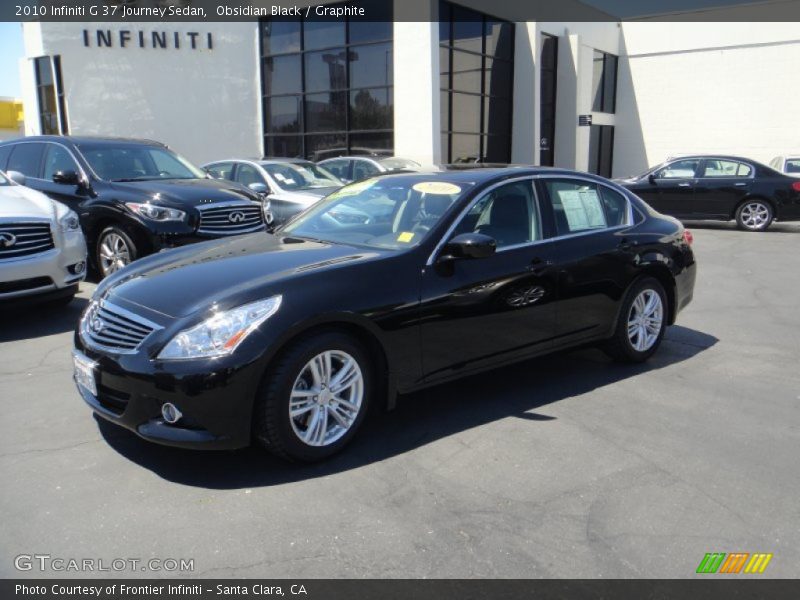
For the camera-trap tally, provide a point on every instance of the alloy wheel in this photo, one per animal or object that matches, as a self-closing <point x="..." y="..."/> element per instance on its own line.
<point x="755" y="215"/>
<point x="114" y="253"/>
<point x="645" y="320"/>
<point x="326" y="398"/>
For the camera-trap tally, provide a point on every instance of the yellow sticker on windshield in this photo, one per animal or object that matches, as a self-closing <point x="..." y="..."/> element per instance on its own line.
<point x="353" y="188"/>
<point x="436" y="187"/>
<point x="405" y="237"/>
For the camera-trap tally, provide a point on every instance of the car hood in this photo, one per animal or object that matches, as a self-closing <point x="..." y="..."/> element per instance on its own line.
<point x="191" y="192"/>
<point x="181" y="282"/>
<point x="17" y="201"/>
<point x="305" y="197"/>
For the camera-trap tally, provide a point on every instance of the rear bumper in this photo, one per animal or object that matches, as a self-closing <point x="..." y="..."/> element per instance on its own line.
<point x="684" y="287"/>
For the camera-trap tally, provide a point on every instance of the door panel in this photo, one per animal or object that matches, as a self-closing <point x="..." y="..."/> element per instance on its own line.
<point x="721" y="186"/>
<point x="675" y="185"/>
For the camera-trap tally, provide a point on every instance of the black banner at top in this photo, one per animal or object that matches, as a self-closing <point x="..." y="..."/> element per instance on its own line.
<point x="123" y="11"/>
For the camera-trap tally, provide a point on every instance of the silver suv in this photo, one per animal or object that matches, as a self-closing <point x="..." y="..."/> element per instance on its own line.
<point x="42" y="250"/>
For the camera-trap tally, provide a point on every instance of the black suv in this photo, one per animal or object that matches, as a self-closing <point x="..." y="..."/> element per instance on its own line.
<point x="134" y="197"/>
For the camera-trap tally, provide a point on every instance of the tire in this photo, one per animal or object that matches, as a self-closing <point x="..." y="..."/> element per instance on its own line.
<point x="754" y="215"/>
<point x="282" y="434"/>
<point x="114" y="249"/>
<point x="634" y="347"/>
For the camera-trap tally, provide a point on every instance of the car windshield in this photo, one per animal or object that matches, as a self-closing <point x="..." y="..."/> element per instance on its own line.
<point x="131" y="162"/>
<point x="298" y="176"/>
<point x="383" y="212"/>
<point x="395" y="163"/>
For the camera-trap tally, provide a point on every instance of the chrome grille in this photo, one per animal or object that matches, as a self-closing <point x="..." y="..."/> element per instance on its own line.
<point x="20" y="239"/>
<point x="230" y="219"/>
<point x="109" y="327"/>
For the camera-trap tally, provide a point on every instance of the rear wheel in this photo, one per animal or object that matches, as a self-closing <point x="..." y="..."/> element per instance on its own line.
<point x="642" y="322"/>
<point x="315" y="397"/>
<point x="754" y="215"/>
<point x="115" y="250"/>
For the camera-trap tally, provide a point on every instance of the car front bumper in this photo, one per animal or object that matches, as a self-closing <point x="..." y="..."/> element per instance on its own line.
<point x="47" y="275"/>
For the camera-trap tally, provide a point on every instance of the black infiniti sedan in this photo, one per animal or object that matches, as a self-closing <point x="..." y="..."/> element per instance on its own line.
<point x="133" y="197"/>
<point x="719" y="188"/>
<point x="288" y="338"/>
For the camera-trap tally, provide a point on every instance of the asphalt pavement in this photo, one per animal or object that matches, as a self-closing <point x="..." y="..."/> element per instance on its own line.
<point x="568" y="466"/>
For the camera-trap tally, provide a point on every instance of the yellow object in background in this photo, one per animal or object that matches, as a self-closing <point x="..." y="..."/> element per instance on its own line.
<point x="11" y="114"/>
<point x="405" y="237"/>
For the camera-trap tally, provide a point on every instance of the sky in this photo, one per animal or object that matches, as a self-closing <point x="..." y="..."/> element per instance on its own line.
<point x="11" y="51"/>
<point x="11" y="48"/>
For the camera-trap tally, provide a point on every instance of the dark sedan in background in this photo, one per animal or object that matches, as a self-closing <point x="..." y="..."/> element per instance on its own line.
<point x="133" y="197"/>
<point x="287" y="338"/>
<point x="720" y="188"/>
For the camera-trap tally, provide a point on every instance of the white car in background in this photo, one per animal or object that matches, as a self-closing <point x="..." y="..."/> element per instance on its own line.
<point x="42" y="250"/>
<point x="787" y="164"/>
<point x="354" y="168"/>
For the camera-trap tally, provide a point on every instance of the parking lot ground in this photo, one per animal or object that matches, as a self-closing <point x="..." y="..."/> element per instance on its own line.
<point x="569" y="466"/>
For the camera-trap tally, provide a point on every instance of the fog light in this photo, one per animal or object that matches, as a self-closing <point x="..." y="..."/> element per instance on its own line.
<point x="77" y="268"/>
<point x="171" y="413"/>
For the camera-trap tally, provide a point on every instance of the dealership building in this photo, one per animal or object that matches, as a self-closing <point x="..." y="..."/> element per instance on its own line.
<point x="595" y="94"/>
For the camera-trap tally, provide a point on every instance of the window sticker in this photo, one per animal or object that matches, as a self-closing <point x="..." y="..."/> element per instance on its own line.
<point x="405" y="237"/>
<point x="441" y="188"/>
<point x="582" y="209"/>
<point x="353" y="189"/>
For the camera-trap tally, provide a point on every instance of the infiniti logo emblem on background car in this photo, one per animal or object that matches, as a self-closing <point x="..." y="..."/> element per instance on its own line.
<point x="8" y="239"/>
<point x="97" y="324"/>
<point x="236" y="217"/>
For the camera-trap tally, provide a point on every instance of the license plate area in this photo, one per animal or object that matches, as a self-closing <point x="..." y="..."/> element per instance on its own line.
<point x="83" y="372"/>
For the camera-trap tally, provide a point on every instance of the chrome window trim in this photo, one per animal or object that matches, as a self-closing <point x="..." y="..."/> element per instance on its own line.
<point x="475" y="200"/>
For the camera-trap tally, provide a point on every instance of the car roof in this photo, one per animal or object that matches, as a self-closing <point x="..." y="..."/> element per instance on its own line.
<point x="713" y="156"/>
<point x="477" y="176"/>
<point x="88" y="139"/>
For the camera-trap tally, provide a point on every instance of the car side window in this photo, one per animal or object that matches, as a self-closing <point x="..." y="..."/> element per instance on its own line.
<point x="57" y="158"/>
<point x="793" y="165"/>
<point x="680" y="169"/>
<point x="363" y="168"/>
<point x="726" y="168"/>
<point x="616" y="207"/>
<point x="26" y="159"/>
<point x="338" y="168"/>
<point x="577" y="205"/>
<point x="247" y="174"/>
<point x="5" y="151"/>
<point x="507" y="213"/>
<point x="220" y="170"/>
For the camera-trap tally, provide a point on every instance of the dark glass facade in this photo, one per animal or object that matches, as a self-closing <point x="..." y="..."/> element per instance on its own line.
<point x="604" y="82"/>
<point x="476" y="58"/>
<point x="601" y="149"/>
<point x="49" y="93"/>
<point x="548" y="75"/>
<point x="327" y="87"/>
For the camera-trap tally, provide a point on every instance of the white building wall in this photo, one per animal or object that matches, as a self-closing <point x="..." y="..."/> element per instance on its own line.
<point x="204" y="103"/>
<point x="706" y="88"/>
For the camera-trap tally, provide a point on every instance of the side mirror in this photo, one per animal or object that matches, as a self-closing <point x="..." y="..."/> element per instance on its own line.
<point x="469" y="245"/>
<point x="259" y="188"/>
<point x="652" y="178"/>
<point x="16" y="177"/>
<point x="66" y="177"/>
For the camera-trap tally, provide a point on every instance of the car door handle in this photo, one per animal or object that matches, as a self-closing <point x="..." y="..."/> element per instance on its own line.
<point x="684" y="185"/>
<point x="742" y="184"/>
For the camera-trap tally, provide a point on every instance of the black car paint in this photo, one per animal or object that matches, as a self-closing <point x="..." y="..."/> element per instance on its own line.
<point x="716" y="198"/>
<point x="100" y="203"/>
<point x="423" y="320"/>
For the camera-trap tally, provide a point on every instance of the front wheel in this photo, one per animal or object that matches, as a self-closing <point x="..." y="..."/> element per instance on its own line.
<point x="314" y="399"/>
<point x="642" y="322"/>
<point x="115" y="249"/>
<point x="754" y="215"/>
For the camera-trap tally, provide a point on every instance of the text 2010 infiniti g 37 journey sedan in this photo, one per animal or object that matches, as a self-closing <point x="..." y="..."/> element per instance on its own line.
<point x="288" y="338"/>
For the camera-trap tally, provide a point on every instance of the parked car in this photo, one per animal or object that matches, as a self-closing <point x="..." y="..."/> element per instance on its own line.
<point x="289" y="338"/>
<point x="353" y="168"/>
<point x="290" y="184"/>
<point x="133" y="197"/>
<point x="42" y="250"/>
<point x="719" y="188"/>
<point x="787" y="164"/>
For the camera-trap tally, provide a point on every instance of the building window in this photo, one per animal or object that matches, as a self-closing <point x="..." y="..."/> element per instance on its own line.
<point x="476" y="54"/>
<point x="327" y="86"/>
<point x="548" y="75"/>
<point x="604" y="82"/>
<point x="50" y="95"/>
<point x="601" y="149"/>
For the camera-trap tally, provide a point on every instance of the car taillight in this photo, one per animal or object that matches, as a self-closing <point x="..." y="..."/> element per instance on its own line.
<point x="796" y="186"/>
<point x="688" y="237"/>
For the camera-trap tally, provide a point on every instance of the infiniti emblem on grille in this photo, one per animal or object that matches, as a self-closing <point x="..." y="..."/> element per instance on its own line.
<point x="97" y="324"/>
<point x="8" y="239"/>
<point x="236" y="217"/>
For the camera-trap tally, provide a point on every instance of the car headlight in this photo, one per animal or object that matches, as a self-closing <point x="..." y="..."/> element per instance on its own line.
<point x="155" y="212"/>
<point x="221" y="334"/>
<point x="69" y="221"/>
